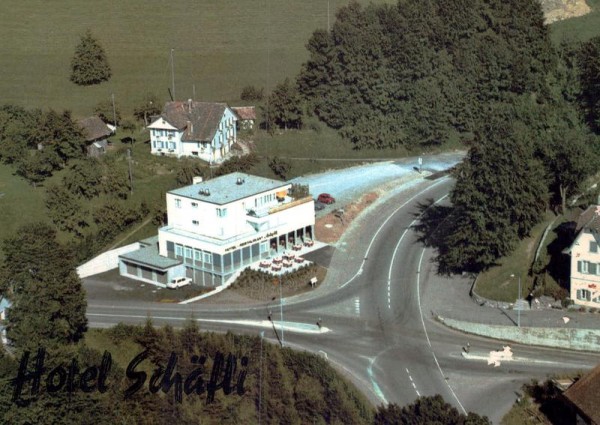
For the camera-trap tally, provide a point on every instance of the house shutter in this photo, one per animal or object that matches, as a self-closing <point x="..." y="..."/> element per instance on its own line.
<point x="579" y="266"/>
<point x="592" y="268"/>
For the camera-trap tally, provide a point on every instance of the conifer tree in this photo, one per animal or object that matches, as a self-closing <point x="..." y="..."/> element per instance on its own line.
<point x="48" y="301"/>
<point x="89" y="65"/>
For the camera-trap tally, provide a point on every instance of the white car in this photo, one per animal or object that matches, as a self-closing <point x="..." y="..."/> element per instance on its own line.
<point x="178" y="282"/>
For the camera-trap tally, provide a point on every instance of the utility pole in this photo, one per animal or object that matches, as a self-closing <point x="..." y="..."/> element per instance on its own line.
<point x="172" y="74"/>
<point x="260" y="380"/>
<point x="519" y="310"/>
<point x="114" y="111"/>
<point x="130" y="174"/>
<point x="519" y="305"/>
<point x="281" y="310"/>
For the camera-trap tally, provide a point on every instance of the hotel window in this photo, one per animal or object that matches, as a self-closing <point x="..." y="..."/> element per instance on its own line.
<point x="195" y="222"/>
<point x="584" y="295"/>
<point x="188" y="252"/>
<point x="171" y="145"/>
<point x="593" y="246"/>
<point x="221" y="212"/>
<point x="178" y="250"/>
<point x="194" y="205"/>
<point x="197" y="255"/>
<point x="208" y="258"/>
<point x="178" y="203"/>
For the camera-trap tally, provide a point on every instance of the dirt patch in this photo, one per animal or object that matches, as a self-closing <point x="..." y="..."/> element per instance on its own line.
<point x="557" y="10"/>
<point x="331" y="227"/>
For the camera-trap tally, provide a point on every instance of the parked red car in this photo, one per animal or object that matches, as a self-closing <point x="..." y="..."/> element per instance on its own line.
<point x="326" y="198"/>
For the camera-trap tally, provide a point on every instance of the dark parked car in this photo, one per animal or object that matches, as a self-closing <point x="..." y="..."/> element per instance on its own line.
<point x="319" y="206"/>
<point x="326" y="198"/>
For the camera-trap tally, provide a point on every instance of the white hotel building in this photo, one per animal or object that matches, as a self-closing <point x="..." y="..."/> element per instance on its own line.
<point x="220" y="226"/>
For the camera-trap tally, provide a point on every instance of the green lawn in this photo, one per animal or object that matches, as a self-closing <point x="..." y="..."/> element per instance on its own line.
<point x="220" y="47"/>
<point x="20" y="203"/>
<point x="497" y="283"/>
<point x="582" y="28"/>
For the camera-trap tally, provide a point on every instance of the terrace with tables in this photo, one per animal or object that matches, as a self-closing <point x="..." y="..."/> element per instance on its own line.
<point x="288" y="261"/>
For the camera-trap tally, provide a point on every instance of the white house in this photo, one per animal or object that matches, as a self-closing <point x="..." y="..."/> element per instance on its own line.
<point x="4" y="305"/>
<point x="198" y="129"/>
<point x="585" y="259"/>
<point x="220" y="226"/>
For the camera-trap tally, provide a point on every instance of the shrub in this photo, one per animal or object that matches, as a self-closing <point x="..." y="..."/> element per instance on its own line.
<point x="280" y="167"/>
<point x="252" y="93"/>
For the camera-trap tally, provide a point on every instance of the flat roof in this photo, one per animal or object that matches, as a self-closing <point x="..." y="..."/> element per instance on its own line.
<point x="149" y="256"/>
<point x="225" y="189"/>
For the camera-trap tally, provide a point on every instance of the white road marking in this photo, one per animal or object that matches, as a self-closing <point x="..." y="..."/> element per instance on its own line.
<point x="427" y="335"/>
<point x="413" y="383"/>
<point x="287" y="326"/>
<point x="442" y="180"/>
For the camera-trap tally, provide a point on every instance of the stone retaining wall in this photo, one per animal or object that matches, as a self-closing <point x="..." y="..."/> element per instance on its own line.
<point x="569" y="338"/>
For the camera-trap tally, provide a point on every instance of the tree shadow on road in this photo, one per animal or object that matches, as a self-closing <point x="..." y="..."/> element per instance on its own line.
<point x="432" y="229"/>
<point x="430" y="226"/>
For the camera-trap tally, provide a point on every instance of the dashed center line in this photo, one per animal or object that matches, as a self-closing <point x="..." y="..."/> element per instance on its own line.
<point x="413" y="383"/>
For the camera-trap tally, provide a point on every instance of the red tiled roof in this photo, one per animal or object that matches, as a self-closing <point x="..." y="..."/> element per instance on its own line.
<point x="198" y="120"/>
<point x="585" y="394"/>
<point x="245" y="112"/>
<point x="94" y="128"/>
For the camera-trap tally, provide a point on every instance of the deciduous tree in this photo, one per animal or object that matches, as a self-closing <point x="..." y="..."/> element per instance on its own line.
<point x="148" y="107"/>
<point x="65" y="210"/>
<point x="106" y="112"/>
<point x="284" y="107"/>
<point x="589" y="65"/>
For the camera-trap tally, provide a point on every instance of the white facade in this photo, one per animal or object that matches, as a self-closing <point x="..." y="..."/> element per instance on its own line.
<point x="585" y="270"/>
<point x="165" y="139"/>
<point x="193" y="129"/>
<point x="223" y="225"/>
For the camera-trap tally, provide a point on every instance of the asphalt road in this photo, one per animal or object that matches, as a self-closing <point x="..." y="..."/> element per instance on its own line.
<point x="374" y="328"/>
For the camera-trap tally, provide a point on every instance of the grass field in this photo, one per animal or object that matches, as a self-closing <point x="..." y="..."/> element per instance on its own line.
<point x="497" y="284"/>
<point x="582" y="28"/>
<point x="220" y="47"/>
<point x="20" y="203"/>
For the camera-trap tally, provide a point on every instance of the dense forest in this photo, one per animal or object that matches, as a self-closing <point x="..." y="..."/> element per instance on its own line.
<point x="422" y="73"/>
<point x="254" y="379"/>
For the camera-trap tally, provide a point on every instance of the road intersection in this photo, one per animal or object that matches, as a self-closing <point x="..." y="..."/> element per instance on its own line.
<point x="374" y="325"/>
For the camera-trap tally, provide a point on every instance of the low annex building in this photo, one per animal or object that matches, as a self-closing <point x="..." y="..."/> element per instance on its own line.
<point x="585" y="259"/>
<point x="198" y="129"/>
<point x="218" y="227"/>
<point x="96" y="133"/>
